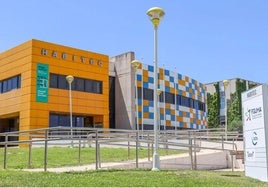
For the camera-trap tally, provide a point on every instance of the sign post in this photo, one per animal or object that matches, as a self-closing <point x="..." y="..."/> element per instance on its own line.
<point x="255" y="129"/>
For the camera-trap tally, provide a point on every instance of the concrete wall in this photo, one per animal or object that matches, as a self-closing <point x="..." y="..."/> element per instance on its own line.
<point x="124" y="90"/>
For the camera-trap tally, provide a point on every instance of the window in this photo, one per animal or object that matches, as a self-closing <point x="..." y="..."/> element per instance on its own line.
<point x="178" y="99"/>
<point x="79" y="84"/>
<point x="10" y="84"/>
<point x="63" y="120"/>
<point x="201" y="106"/>
<point x="148" y="94"/>
<point x="53" y="81"/>
<point x="169" y="98"/>
<point x="184" y="101"/>
<point x="62" y="82"/>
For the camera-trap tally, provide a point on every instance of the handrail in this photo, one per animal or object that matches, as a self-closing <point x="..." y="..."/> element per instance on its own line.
<point x="128" y="138"/>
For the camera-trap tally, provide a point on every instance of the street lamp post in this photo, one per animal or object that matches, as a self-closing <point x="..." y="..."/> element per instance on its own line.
<point x="225" y="84"/>
<point x="135" y="64"/>
<point x="70" y="79"/>
<point x="155" y="14"/>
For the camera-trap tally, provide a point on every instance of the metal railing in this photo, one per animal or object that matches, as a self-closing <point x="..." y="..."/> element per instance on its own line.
<point x="184" y="140"/>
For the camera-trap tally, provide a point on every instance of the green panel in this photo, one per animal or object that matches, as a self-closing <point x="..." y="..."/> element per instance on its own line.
<point x="42" y="82"/>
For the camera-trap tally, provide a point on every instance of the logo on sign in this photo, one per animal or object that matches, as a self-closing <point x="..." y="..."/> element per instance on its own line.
<point x="254" y="138"/>
<point x="253" y="113"/>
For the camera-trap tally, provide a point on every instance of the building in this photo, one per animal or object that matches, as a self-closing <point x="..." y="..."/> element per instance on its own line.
<point x="231" y="88"/>
<point x="34" y="92"/>
<point x="188" y="110"/>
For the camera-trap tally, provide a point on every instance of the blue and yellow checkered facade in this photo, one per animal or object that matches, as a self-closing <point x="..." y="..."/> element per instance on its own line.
<point x="171" y="115"/>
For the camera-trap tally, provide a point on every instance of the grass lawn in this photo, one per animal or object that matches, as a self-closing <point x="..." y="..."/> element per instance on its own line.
<point x="128" y="178"/>
<point x="17" y="158"/>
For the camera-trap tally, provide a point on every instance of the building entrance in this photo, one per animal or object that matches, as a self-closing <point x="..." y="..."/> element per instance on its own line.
<point x="9" y="125"/>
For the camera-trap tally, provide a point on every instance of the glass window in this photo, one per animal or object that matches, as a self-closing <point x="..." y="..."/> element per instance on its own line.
<point x="98" y="87"/>
<point x="148" y="94"/>
<point x="9" y="84"/>
<point x="79" y="84"/>
<point x="53" y="80"/>
<point x="201" y="106"/>
<point x="62" y="82"/>
<point x="139" y="93"/>
<point x="169" y="98"/>
<point x="88" y="85"/>
<point x="184" y="101"/>
<point x="53" y="120"/>
<point x="64" y="120"/>
<point x="0" y="87"/>
<point x="79" y="121"/>
<point x="19" y="81"/>
<point x="178" y="100"/>
<point x="195" y="104"/>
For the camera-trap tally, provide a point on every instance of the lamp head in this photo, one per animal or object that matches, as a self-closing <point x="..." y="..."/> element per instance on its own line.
<point x="155" y="15"/>
<point x="135" y="64"/>
<point x="225" y="83"/>
<point x="159" y="91"/>
<point x="70" y="79"/>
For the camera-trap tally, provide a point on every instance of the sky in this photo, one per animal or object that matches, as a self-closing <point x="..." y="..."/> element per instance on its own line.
<point x="207" y="40"/>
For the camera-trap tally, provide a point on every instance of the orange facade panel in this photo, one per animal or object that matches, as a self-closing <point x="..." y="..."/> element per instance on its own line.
<point x="23" y="60"/>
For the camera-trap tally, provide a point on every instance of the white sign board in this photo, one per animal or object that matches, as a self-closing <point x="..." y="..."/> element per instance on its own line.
<point x="255" y="126"/>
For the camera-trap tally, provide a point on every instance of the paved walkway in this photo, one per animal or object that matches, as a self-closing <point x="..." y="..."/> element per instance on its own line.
<point x="217" y="160"/>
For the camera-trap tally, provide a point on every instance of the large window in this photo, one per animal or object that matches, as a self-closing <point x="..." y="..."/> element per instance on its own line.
<point x="79" y="84"/>
<point x="10" y="84"/>
<point x="63" y="120"/>
<point x="170" y="98"/>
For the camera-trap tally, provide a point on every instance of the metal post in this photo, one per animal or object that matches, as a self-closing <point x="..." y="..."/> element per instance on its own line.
<point x="70" y="79"/>
<point x="45" y="153"/>
<point x="195" y="158"/>
<point x="128" y="147"/>
<point x="99" y="155"/>
<point x="233" y="157"/>
<point x="79" y="151"/>
<point x="5" y="151"/>
<point x="71" y="115"/>
<point x="96" y="150"/>
<point x="222" y="142"/>
<point x="155" y="14"/>
<point x="30" y="153"/>
<point x="156" y="161"/>
<point x="225" y="117"/>
<point x="137" y="150"/>
<point x="191" y="152"/>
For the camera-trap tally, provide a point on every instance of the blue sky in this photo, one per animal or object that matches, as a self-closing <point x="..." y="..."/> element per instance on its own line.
<point x="208" y="40"/>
